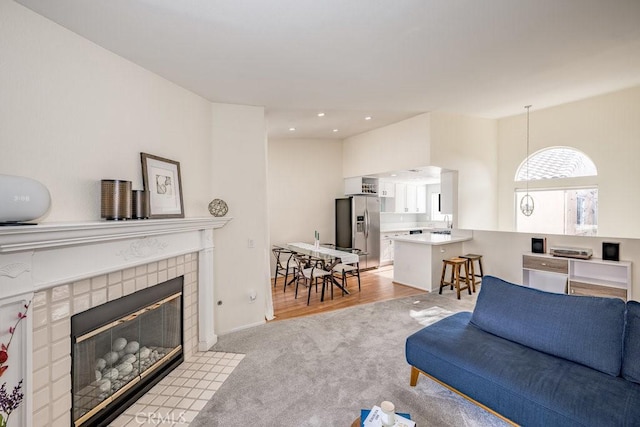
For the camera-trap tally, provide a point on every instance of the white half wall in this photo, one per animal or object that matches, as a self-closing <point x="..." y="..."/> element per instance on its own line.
<point x="305" y="176"/>
<point x="73" y="113"/>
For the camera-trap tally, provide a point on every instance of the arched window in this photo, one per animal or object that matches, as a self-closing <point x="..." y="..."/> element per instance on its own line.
<point x="559" y="209"/>
<point x="556" y="162"/>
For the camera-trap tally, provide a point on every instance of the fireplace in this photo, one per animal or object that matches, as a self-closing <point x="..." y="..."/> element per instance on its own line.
<point x="67" y="269"/>
<point x="122" y="348"/>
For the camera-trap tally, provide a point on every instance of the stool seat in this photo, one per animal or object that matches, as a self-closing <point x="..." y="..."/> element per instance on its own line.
<point x="456" y="280"/>
<point x="472" y="271"/>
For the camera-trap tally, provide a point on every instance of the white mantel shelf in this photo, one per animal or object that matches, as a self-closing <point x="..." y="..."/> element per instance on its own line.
<point x="51" y="235"/>
<point x="37" y="257"/>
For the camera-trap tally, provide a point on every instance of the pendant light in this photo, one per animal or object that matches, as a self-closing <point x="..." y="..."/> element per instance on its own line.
<point x="526" y="203"/>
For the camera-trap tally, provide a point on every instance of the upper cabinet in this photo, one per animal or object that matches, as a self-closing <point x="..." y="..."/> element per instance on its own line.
<point x="386" y="189"/>
<point x="360" y="185"/>
<point x="410" y="198"/>
<point x="449" y="193"/>
<point x="421" y="198"/>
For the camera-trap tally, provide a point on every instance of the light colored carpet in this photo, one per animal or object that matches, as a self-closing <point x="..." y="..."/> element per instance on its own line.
<point x="429" y="315"/>
<point x="321" y="370"/>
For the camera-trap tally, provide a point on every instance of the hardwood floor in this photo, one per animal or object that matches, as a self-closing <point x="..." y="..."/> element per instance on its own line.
<point x="377" y="285"/>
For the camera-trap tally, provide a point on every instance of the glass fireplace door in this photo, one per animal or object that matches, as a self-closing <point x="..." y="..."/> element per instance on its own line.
<point x="113" y="358"/>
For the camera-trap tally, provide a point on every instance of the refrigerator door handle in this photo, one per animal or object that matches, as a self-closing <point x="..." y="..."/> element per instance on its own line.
<point x="366" y="223"/>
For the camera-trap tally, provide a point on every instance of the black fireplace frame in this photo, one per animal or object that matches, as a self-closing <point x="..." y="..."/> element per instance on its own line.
<point x="111" y="311"/>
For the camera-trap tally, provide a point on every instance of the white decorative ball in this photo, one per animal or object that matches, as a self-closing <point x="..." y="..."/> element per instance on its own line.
<point x="124" y="369"/>
<point x="144" y="353"/>
<point x="132" y="347"/>
<point x="101" y="364"/>
<point x="111" y="357"/>
<point x="111" y="374"/>
<point x="118" y="344"/>
<point x="128" y="358"/>
<point x="22" y="199"/>
<point x="104" y="385"/>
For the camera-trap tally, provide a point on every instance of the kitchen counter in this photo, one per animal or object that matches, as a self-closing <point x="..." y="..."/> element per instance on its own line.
<point x="432" y="239"/>
<point x="418" y="257"/>
<point x="401" y="229"/>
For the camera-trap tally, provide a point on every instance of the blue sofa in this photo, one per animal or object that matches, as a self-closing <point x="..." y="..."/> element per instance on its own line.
<point x="536" y="358"/>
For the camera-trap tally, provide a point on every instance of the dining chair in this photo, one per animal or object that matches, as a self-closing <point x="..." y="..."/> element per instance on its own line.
<point x="283" y="267"/>
<point x="309" y="270"/>
<point x="345" y="271"/>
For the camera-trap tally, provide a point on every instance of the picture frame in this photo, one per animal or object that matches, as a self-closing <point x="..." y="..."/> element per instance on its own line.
<point x="162" y="182"/>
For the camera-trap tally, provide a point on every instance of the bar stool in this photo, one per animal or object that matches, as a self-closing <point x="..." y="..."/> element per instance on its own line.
<point x="456" y="264"/>
<point x="472" y="271"/>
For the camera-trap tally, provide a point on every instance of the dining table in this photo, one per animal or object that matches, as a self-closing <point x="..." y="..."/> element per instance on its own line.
<point x="330" y="256"/>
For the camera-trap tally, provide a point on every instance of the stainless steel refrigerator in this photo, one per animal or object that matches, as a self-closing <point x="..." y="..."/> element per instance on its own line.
<point x="358" y="226"/>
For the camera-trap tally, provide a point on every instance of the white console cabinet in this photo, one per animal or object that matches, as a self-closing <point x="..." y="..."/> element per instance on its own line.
<point x="594" y="276"/>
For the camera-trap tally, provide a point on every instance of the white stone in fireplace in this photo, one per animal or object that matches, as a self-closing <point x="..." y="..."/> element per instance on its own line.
<point x="69" y="268"/>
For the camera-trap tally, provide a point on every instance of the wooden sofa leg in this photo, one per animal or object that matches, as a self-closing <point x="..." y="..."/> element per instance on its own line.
<point x="414" y="376"/>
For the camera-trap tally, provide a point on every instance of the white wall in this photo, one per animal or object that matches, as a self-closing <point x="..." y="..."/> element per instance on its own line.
<point x="607" y="129"/>
<point x="73" y="113"/>
<point x="401" y="145"/>
<point x="502" y="252"/>
<point x="239" y="167"/>
<point x="305" y="176"/>
<point x="469" y="145"/>
<point x="450" y="141"/>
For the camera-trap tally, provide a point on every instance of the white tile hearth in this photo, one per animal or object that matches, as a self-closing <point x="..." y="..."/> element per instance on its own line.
<point x="178" y="398"/>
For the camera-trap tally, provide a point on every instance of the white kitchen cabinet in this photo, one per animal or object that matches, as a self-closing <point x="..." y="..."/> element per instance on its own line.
<point x="421" y="197"/>
<point x="410" y="198"/>
<point x="401" y="198"/>
<point x="449" y="193"/>
<point x="360" y="185"/>
<point x="386" y="189"/>
<point x="386" y="246"/>
<point x="386" y="249"/>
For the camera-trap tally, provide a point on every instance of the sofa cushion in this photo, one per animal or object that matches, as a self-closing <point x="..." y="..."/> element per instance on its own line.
<point x="631" y="358"/>
<point x="529" y="387"/>
<point x="587" y="330"/>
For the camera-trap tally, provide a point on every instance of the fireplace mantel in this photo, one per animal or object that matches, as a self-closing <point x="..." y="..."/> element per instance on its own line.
<point x="51" y="235"/>
<point x="36" y="257"/>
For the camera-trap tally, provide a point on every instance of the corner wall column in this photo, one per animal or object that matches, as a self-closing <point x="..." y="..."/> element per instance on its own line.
<point x="206" y="299"/>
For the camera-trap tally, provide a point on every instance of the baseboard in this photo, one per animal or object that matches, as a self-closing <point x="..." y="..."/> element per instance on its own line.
<point x="240" y="328"/>
<point x="475" y="402"/>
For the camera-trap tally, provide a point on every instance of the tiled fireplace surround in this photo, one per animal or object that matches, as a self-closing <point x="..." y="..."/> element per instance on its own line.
<point x="67" y="269"/>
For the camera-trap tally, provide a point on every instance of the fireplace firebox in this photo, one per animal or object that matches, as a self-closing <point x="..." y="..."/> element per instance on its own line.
<point x="122" y="348"/>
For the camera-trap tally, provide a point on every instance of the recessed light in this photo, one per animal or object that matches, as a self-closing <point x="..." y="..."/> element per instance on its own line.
<point x="368" y="118"/>
<point x="292" y="129"/>
<point x="335" y="130"/>
<point x="320" y="114"/>
<point x="394" y="174"/>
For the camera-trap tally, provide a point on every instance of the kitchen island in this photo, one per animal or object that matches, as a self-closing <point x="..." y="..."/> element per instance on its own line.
<point x="418" y="257"/>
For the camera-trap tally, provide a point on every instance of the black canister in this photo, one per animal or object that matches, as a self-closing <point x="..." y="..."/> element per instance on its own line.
<point x="139" y="204"/>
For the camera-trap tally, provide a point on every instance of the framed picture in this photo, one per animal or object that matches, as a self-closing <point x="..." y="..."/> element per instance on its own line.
<point x="161" y="178"/>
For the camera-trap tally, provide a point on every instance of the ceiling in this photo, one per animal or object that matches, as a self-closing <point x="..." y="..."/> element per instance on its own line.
<point x="384" y="59"/>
